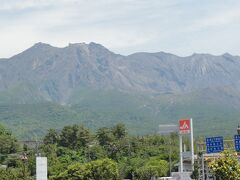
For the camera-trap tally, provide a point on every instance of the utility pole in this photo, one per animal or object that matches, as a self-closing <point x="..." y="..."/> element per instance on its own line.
<point x="203" y="168"/>
<point x="192" y="143"/>
<point x="186" y="128"/>
<point x="181" y="153"/>
<point x="170" y="155"/>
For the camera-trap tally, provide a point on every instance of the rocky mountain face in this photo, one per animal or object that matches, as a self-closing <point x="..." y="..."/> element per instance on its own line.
<point x="100" y="88"/>
<point x="53" y="74"/>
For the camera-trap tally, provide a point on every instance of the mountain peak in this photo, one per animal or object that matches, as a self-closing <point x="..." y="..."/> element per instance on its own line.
<point x="77" y="44"/>
<point x="227" y="55"/>
<point x="201" y="55"/>
<point x="86" y="45"/>
<point x="91" y="47"/>
<point x="93" y="44"/>
<point x="83" y="44"/>
<point x="40" y="44"/>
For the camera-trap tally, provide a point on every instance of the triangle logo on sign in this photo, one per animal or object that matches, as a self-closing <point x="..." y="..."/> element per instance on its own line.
<point x="185" y="126"/>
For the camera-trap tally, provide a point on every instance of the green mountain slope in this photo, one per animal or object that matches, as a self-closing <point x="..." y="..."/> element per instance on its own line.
<point x="22" y="93"/>
<point x="142" y="114"/>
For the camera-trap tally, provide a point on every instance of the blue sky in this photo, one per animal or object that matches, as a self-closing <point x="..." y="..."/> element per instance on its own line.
<point x="182" y="27"/>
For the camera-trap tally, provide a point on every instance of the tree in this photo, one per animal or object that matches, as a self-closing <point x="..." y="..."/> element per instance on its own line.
<point x="4" y="131"/>
<point x="84" y="137"/>
<point x="75" y="137"/>
<point x="146" y="172"/>
<point x="99" y="169"/>
<point x="7" y="174"/>
<point x="74" y="153"/>
<point x="128" y="167"/>
<point x="226" y="166"/>
<point x="52" y="137"/>
<point x="68" y="137"/>
<point x="103" y="169"/>
<point x="119" y="131"/>
<point x="195" y="173"/>
<point x="75" y="171"/>
<point x="95" y="152"/>
<point x="105" y="136"/>
<point x="153" y="167"/>
<point x="8" y="142"/>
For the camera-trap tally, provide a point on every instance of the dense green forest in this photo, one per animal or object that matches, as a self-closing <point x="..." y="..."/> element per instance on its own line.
<point x="140" y="113"/>
<point x="31" y="121"/>
<point x="75" y="152"/>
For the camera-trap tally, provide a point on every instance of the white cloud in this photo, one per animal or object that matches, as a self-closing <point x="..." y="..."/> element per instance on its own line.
<point x="218" y="19"/>
<point x="125" y="26"/>
<point x="14" y="5"/>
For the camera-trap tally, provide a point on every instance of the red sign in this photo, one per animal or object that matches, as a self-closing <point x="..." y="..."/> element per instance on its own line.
<point x="184" y="126"/>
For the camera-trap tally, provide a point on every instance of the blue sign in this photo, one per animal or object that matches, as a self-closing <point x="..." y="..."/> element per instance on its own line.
<point x="237" y="142"/>
<point x="214" y="144"/>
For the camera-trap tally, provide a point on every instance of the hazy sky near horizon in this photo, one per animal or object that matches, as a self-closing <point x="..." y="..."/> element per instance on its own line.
<point x="182" y="27"/>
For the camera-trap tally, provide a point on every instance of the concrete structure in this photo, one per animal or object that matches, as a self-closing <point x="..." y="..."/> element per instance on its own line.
<point x="41" y="168"/>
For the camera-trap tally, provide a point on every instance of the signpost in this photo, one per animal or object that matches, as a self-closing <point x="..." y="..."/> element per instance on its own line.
<point x="166" y="129"/>
<point x="237" y="142"/>
<point x="214" y="144"/>
<point x="186" y="127"/>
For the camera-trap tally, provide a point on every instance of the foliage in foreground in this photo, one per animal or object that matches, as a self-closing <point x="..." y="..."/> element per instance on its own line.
<point x="109" y="153"/>
<point x="98" y="169"/>
<point x="226" y="166"/>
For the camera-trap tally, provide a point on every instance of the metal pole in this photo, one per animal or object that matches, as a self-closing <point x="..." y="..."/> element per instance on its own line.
<point x="170" y="155"/>
<point x="192" y="144"/>
<point x="203" y="168"/>
<point x="180" y="149"/>
<point x="207" y="173"/>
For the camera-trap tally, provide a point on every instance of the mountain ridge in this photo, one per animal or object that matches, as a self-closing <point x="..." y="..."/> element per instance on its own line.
<point x="93" y="64"/>
<point x="96" y="80"/>
<point x="39" y="44"/>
